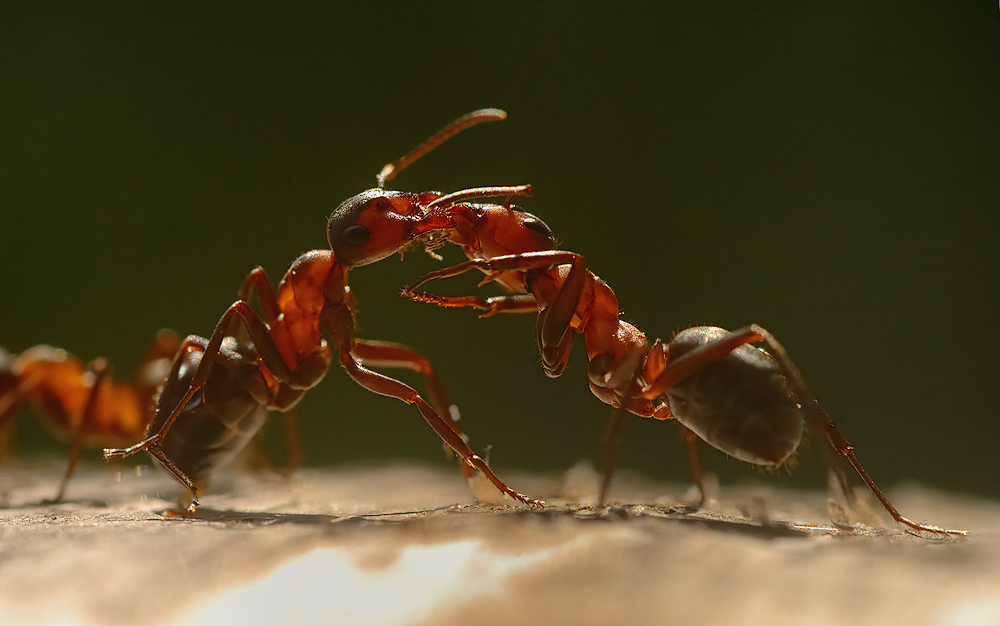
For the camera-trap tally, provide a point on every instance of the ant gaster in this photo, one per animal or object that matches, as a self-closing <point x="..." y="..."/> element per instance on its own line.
<point x="220" y="388"/>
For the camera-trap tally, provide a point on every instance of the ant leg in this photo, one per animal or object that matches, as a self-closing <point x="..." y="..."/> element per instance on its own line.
<point x="99" y="369"/>
<point x="265" y="346"/>
<point x="309" y="373"/>
<point x="389" y="354"/>
<point x="494" y="266"/>
<point x="151" y="443"/>
<point x="818" y="422"/>
<point x="553" y="332"/>
<point x="694" y="460"/>
<point x="813" y="414"/>
<point x="514" y="303"/>
<point x="630" y="365"/>
<point x="13" y="398"/>
<point x="386" y="386"/>
<point x="612" y="444"/>
<point x="553" y="321"/>
<point x="257" y="280"/>
<point x="179" y="474"/>
<point x="190" y="343"/>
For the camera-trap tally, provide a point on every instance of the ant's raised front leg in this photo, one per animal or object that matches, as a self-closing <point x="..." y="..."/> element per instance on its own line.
<point x="554" y="335"/>
<point x="513" y="303"/>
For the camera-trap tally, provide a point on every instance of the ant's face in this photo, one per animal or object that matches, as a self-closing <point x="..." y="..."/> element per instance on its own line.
<point x="373" y="225"/>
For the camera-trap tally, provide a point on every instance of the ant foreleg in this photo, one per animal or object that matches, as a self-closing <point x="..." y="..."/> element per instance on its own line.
<point x="386" y="386"/>
<point x="492" y="267"/>
<point x="257" y="280"/>
<point x="553" y="332"/>
<point x="553" y="328"/>
<point x="390" y="354"/>
<point x="513" y="303"/>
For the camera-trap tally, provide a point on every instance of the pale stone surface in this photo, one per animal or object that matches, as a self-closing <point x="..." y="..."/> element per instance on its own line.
<point x="386" y="546"/>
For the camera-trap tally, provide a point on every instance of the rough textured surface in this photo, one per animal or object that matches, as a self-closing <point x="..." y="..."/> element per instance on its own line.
<point x="389" y="546"/>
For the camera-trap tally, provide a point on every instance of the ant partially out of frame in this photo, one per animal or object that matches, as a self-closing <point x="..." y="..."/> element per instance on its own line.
<point x="80" y="402"/>
<point x="219" y="389"/>
<point x="749" y="402"/>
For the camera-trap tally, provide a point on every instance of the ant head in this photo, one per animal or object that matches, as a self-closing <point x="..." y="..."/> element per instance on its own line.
<point x="373" y="225"/>
<point x="378" y="223"/>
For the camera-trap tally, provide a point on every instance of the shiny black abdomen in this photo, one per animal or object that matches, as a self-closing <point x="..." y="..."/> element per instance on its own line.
<point x="221" y="419"/>
<point x="740" y="404"/>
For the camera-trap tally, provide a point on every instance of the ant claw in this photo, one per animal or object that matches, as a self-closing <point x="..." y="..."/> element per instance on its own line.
<point x="925" y="531"/>
<point x="523" y="499"/>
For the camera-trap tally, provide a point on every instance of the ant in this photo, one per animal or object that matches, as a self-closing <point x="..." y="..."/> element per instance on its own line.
<point x="220" y="389"/>
<point x="746" y="401"/>
<point x="82" y="403"/>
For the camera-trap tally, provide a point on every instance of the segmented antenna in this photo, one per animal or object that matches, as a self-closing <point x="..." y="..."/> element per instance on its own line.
<point x="470" y="119"/>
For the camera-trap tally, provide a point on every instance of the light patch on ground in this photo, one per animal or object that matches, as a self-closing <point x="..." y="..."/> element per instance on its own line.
<point x="326" y="586"/>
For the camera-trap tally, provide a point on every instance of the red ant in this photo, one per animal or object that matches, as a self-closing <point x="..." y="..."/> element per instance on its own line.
<point x="81" y="403"/>
<point x="220" y="389"/>
<point x="746" y="401"/>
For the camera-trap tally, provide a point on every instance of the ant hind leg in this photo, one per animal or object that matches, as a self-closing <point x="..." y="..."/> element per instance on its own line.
<point x="99" y="368"/>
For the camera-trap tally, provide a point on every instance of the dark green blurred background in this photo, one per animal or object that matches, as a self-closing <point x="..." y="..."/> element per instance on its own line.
<point x="830" y="171"/>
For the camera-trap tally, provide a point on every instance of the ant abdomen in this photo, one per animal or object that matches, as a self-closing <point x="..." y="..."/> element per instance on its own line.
<point x="219" y="421"/>
<point x="740" y="404"/>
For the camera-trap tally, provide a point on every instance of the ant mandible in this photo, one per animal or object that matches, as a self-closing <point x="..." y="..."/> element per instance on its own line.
<point x="746" y="401"/>
<point x="82" y="403"/>
<point x="220" y="389"/>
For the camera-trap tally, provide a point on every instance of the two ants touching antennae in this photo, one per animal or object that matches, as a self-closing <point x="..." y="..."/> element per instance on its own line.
<point x="737" y="391"/>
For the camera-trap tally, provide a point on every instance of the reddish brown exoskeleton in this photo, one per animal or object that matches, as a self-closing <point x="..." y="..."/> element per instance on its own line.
<point x="748" y="402"/>
<point x="81" y="403"/>
<point x="220" y="388"/>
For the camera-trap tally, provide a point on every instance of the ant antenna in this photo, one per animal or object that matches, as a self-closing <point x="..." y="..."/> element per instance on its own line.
<point x="508" y="193"/>
<point x="470" y="119"/>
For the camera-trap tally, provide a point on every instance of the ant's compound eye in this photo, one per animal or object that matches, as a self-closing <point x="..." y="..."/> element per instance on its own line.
<point x="536" y="225"/>
<point x="356" y="234"/>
